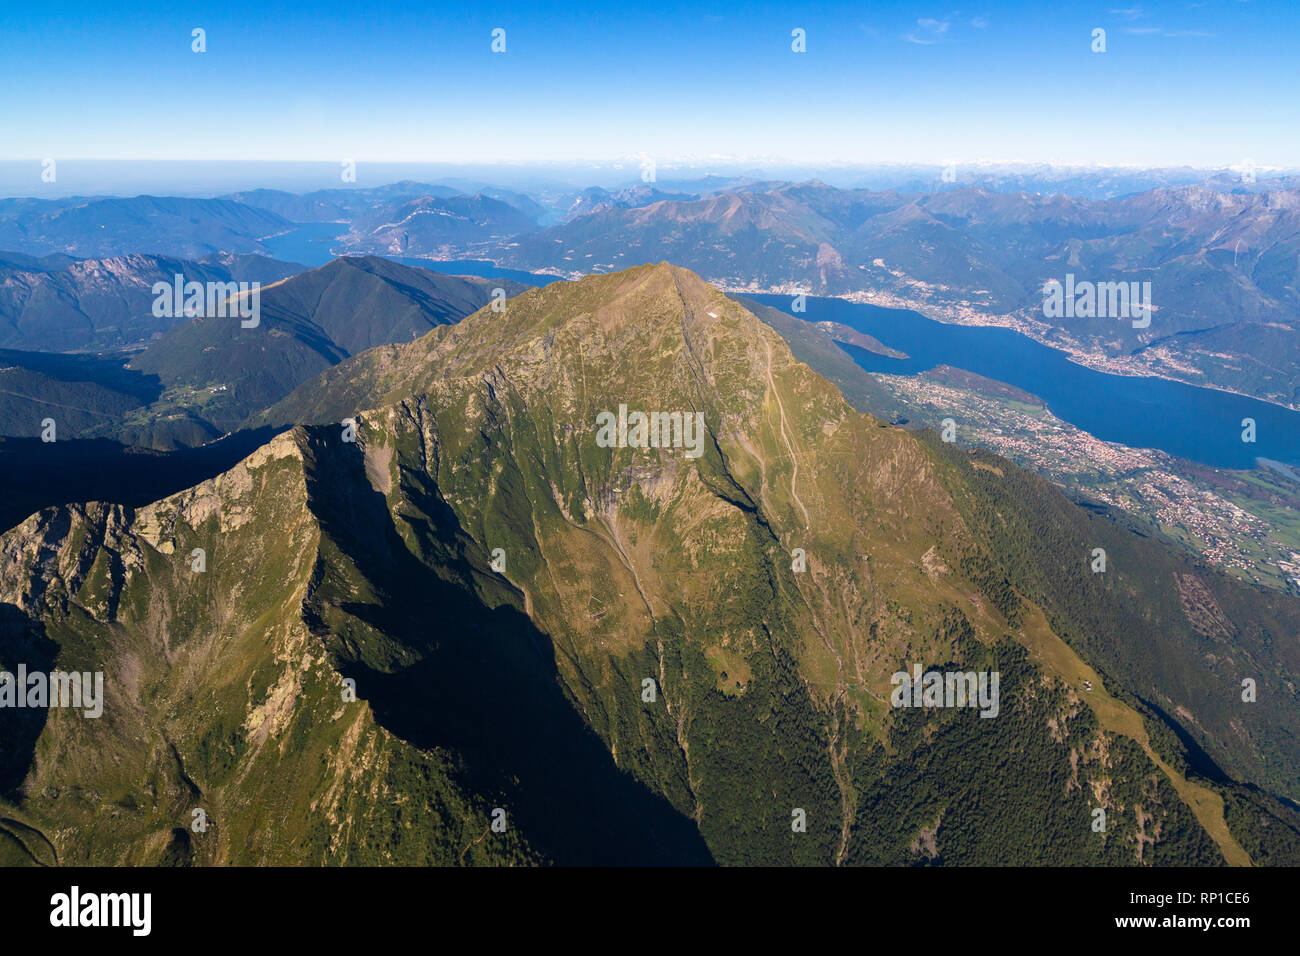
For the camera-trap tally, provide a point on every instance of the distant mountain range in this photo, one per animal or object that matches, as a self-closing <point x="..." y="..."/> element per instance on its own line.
<point x="308" y="322"/>
<point x="1221" y="255"/>
<point x="115" y="226"/>
<point x="363" y="203"/>
<point x="1083" y="182"/>
<point x="61" y="304"/>
<point x="436" y="228"/>
<point x="413" y="219"/>
<point x="1222" y="266"/>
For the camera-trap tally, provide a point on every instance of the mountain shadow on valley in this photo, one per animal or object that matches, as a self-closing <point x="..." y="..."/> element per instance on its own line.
<point x="22" y="641"/>
<point x="443" y="669"/>
<point x="36" y="474"/>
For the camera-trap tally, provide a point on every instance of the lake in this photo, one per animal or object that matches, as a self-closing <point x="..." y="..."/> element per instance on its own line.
<point x="310" y="245"/>
<point x="1199" y="424"/>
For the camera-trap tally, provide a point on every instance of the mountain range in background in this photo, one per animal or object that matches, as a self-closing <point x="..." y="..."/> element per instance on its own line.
<point x="555" y="185"/>
<point x="1220" y="255"/>
<point x="61" y="304"/>
<point x="1221" y="266"/>
<point x="201" y="377"/>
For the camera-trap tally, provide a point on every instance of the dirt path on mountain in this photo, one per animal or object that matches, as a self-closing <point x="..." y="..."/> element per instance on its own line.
<point x="785" y="436"/>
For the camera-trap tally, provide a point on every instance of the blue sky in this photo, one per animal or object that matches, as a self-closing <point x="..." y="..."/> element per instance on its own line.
<point x="1189" y="83"/>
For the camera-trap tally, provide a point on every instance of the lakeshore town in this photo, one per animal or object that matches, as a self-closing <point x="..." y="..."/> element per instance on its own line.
<point x="1247" y="523"/>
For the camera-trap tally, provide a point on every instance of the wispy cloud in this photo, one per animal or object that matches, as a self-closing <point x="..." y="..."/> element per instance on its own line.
<point x="1161" y="32"/>
<point x="929" y="31"/>
<point x="1136" y="12"/>
<point x="948" y="28"/>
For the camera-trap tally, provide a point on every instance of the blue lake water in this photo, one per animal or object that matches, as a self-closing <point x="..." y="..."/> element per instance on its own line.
<point x="479" y="267"/>
<point x="310" y="245"/>
<point x="1199" y="424"/>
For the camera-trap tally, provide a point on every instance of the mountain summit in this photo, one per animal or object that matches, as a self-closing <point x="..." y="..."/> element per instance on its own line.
<point x="577" y="628"/>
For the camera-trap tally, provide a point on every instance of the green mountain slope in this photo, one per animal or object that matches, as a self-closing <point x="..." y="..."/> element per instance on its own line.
<point x="80" y="392"/>
<point x="308" y="323"/>
<point x="381" y="377"/>
<point x="1180" y="634"/>
<point x="617" y="646"/>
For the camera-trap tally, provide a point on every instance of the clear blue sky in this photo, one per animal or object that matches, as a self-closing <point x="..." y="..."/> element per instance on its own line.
<point x="1188" y="83"/>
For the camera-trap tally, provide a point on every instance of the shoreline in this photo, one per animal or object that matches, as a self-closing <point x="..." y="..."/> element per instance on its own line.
<point x="935" y="313"/>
